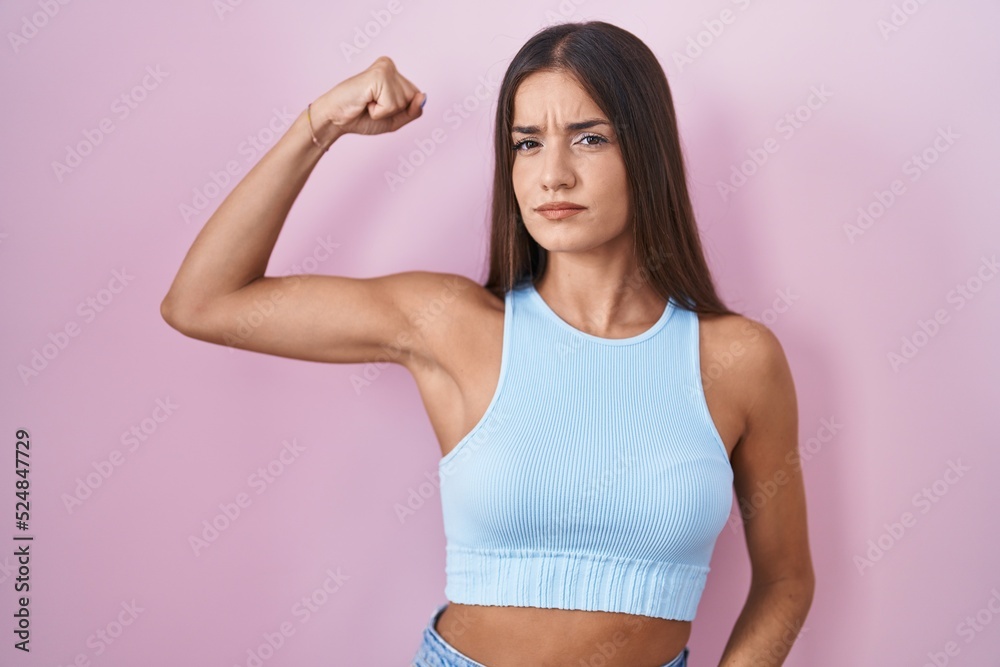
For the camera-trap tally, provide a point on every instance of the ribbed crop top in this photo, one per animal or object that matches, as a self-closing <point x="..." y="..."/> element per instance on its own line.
<point x="596" y="478"/>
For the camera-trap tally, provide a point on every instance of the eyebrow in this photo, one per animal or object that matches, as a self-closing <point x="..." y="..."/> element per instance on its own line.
<point x="570" y="127"/>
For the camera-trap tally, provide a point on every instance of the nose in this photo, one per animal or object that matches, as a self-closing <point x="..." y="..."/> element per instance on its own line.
<point x="557" y="168"/>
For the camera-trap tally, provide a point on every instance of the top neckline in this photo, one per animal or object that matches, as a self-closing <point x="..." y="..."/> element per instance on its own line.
<point x="667" y="311"/>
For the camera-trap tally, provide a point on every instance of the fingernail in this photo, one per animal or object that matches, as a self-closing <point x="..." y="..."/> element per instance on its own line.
<point x="424" y="102"/>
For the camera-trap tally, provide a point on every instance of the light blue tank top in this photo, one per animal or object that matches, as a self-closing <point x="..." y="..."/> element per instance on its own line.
<point x="595" y="479"/>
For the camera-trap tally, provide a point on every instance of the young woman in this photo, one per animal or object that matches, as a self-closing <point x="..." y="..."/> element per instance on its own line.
<point x="595" y="401"/>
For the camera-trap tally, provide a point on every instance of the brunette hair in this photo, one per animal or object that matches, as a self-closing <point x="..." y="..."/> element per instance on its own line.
<point x="623" y="77"/>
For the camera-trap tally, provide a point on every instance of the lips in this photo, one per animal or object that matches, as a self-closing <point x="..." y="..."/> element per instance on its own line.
<point x="559" y="206"/>
<point x="560" y="213"/>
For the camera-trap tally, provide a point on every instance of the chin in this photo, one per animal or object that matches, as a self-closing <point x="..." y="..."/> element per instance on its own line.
<point x="569" y="242"/>
<point x="557" y="236"/>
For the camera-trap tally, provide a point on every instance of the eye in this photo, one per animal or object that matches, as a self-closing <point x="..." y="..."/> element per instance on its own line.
<point x="523" y="143"/>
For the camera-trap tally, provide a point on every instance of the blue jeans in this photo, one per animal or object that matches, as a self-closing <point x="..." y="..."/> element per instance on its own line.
<point x="434" y="651"/>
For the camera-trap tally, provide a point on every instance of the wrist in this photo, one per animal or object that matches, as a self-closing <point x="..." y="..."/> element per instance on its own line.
<point x="325" y="129"/>
<point x="322" y="131"/>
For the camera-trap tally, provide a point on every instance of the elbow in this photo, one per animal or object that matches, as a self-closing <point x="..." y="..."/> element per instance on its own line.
<point x="168" y="311"/>
<point x="165" y="310"/>
<point x="174" y="315"/>
<point x="800" y="583"/>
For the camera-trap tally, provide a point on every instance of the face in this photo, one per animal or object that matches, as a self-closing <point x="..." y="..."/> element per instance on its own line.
<point x="554" y="162"/>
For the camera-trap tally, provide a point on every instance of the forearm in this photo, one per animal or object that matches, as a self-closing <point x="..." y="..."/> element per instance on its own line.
<point x="772" y="618"/>
<point x="234" y="246"/>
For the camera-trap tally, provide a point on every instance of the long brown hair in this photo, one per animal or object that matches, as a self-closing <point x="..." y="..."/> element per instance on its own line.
<point x="623" y="77"/>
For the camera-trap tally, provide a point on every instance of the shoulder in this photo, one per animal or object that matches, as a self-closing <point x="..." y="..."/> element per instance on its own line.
<point x="743" y="359"/>
<point x="443" y="309"/>
<point x="423" y="294"/>
<point x="752" y="344"/>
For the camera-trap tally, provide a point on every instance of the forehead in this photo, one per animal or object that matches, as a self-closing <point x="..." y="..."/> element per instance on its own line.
<point x="544" y="95"/>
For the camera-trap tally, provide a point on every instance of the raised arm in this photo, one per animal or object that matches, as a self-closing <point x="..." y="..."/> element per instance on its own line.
<point x="220" y="293"/>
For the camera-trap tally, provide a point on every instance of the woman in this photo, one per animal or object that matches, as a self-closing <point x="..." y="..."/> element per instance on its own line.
<point x="586" y="468"/>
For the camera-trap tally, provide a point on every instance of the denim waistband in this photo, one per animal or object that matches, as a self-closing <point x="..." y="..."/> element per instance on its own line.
<point x="434" y="651"/>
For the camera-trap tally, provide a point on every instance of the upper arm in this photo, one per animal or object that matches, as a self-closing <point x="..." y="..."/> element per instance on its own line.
<point x="324" y="318"/>
<point x="767" y="471"/>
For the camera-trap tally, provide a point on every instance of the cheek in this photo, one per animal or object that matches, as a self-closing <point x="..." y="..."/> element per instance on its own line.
<point x="517" y="181"/>
<point x="611" y="188"/>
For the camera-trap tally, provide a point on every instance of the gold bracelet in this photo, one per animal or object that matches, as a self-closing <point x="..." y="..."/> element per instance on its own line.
<point x="311" y="131"/>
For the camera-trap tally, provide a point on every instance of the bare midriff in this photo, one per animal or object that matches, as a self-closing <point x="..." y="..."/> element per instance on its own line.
<point x="518" y="636"/>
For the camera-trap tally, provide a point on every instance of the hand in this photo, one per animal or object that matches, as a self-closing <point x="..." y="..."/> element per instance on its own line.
<point x="374" y="101"/>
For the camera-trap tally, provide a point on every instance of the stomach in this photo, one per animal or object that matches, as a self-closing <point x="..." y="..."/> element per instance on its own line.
<point x="516" y="636"/>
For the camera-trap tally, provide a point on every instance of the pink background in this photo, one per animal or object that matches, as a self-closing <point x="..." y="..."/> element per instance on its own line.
<point x="842" y="308"/>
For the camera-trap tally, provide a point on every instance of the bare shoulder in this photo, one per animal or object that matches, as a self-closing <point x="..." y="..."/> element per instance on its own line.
<point x="744" y="363"/>
<point x="766" y="455"/>
<point x="445" y="311"/>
